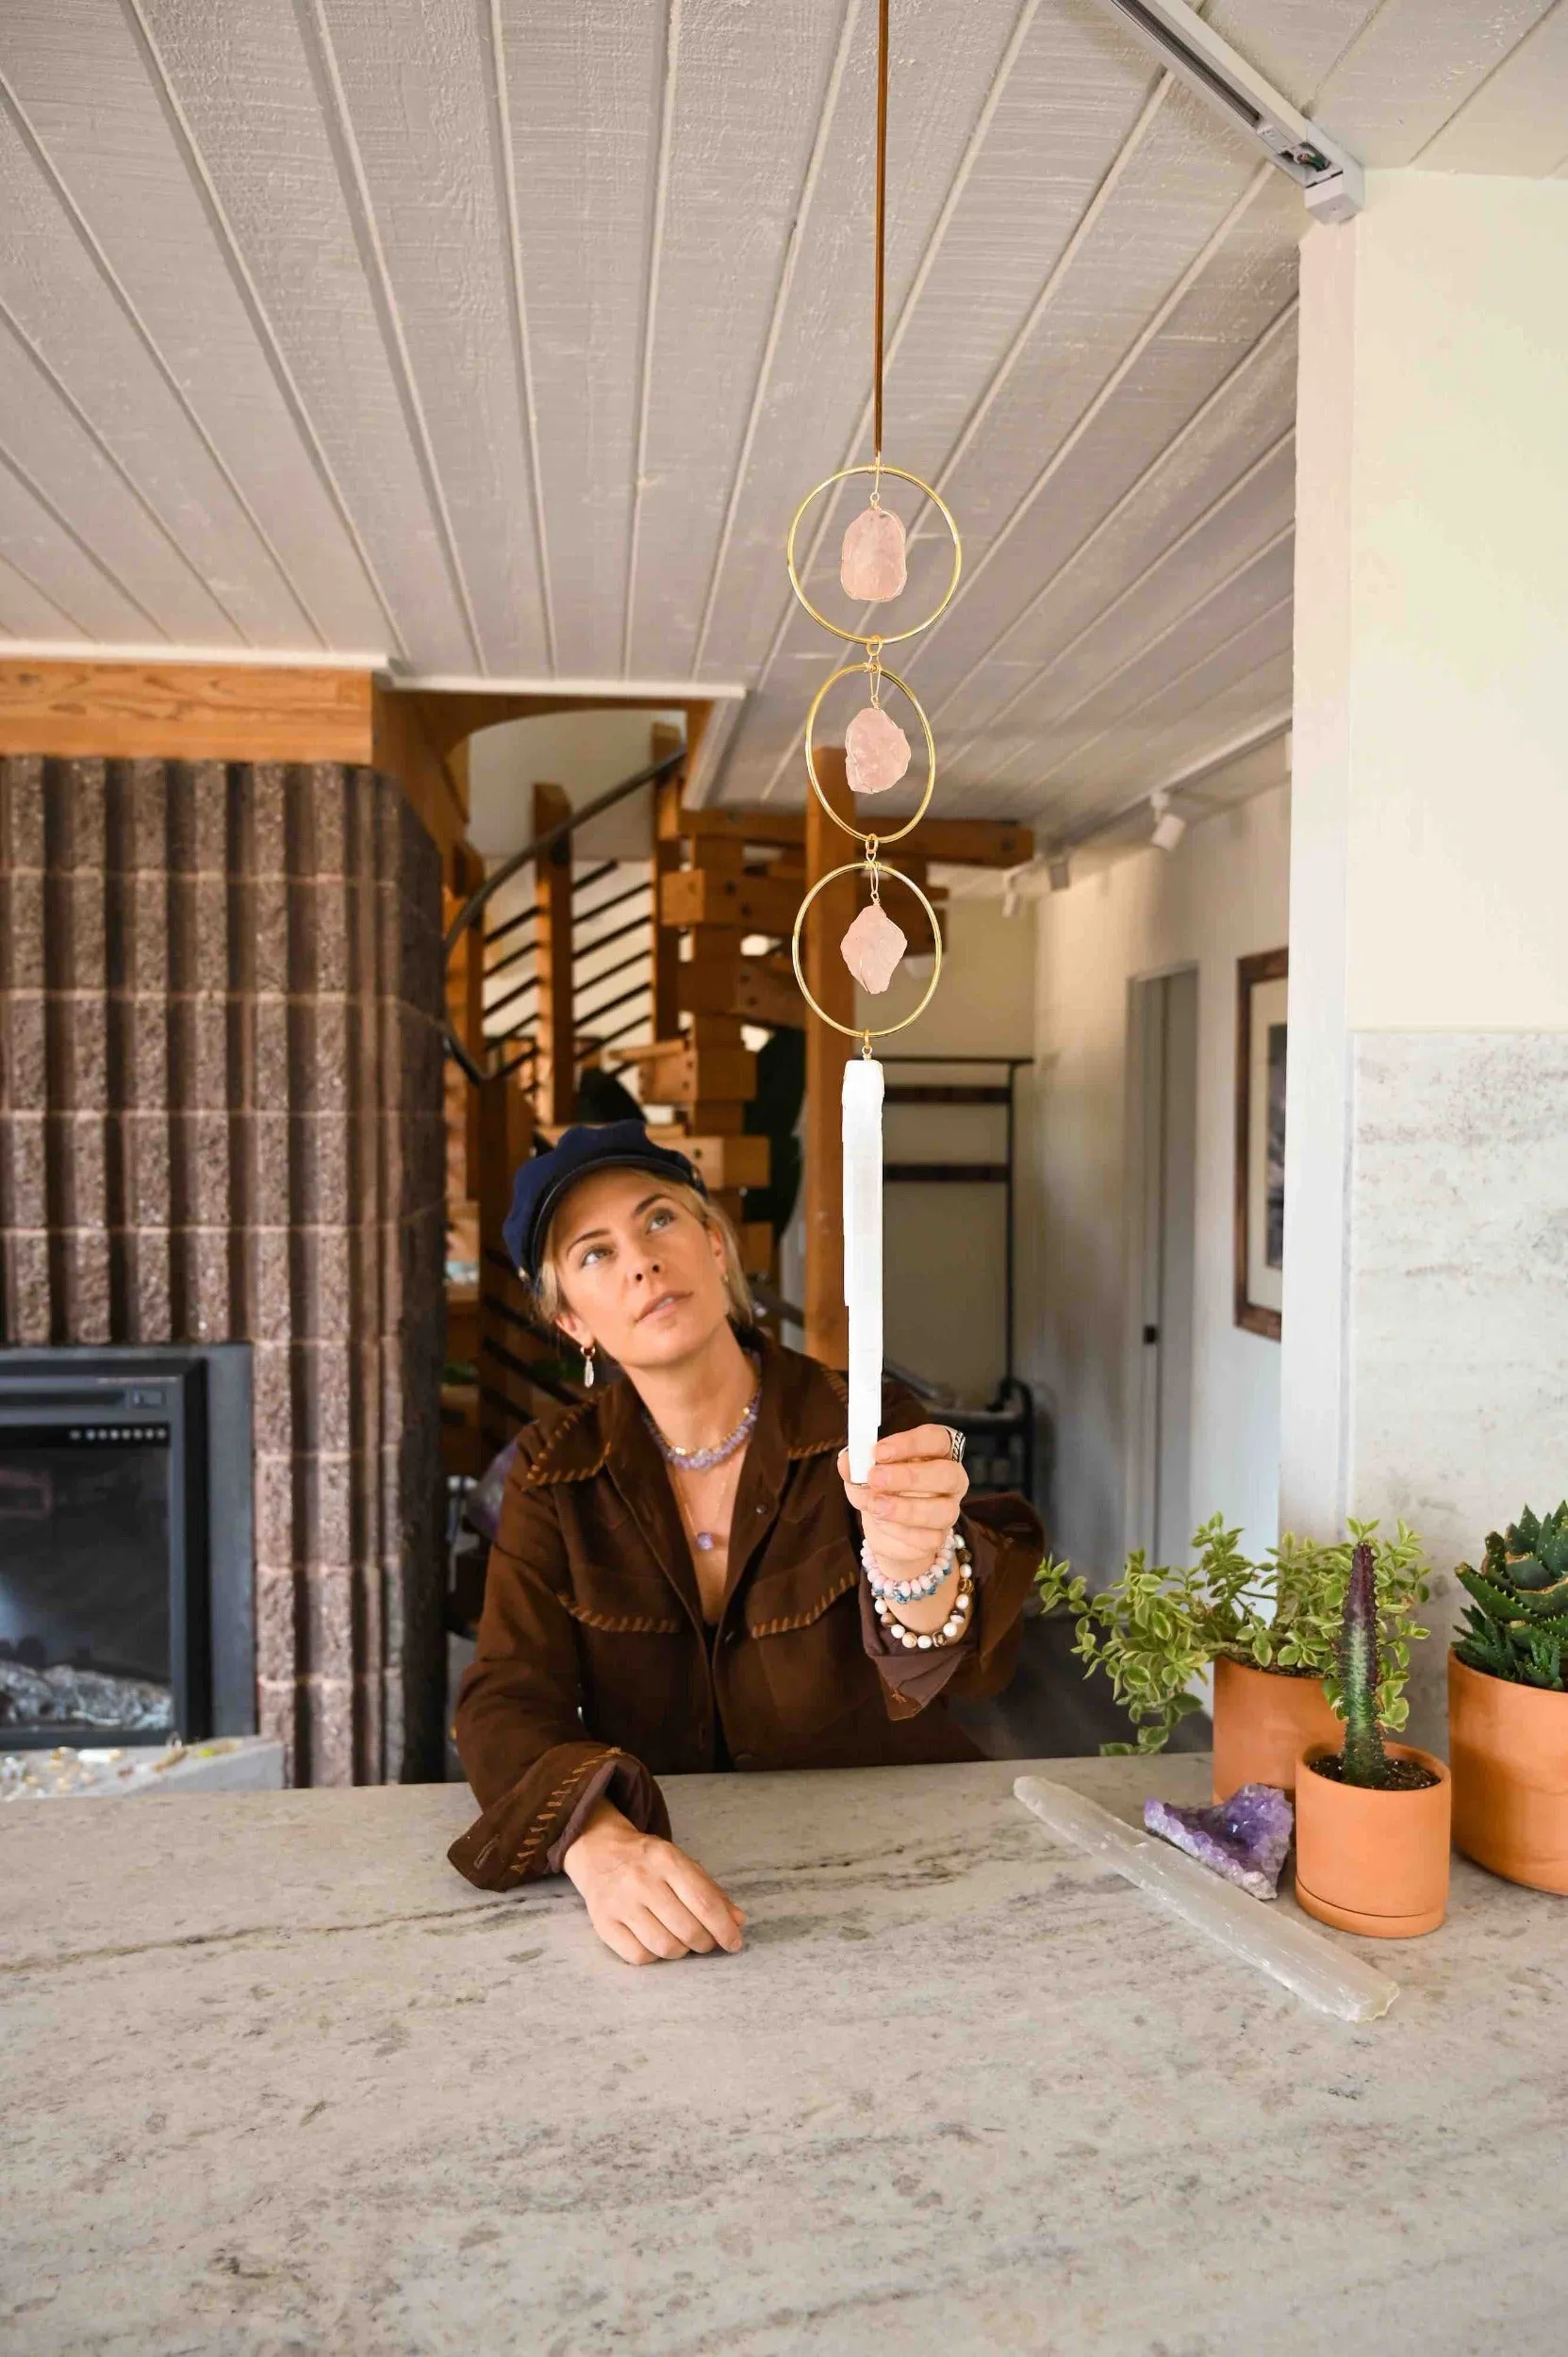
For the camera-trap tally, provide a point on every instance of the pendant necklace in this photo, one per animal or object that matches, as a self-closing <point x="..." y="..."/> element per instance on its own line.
<point x="705" y="1460"/>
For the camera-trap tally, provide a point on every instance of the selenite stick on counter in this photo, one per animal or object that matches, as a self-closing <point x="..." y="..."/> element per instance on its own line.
<point x="862" y="1088"/>
<point x="1329" y="1978"/>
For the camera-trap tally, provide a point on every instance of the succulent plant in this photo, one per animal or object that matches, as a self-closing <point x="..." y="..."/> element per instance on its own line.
<point x="1517" y="1623"/>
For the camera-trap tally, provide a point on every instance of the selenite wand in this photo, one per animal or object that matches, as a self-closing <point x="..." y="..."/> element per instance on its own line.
<point x="863" y="1097"/>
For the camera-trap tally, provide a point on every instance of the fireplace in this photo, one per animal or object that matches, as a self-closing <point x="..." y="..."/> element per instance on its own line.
<point x="126" y="1608"/>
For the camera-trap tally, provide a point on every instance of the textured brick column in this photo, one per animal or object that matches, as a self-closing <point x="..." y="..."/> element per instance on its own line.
<point x="220" y="1119"/>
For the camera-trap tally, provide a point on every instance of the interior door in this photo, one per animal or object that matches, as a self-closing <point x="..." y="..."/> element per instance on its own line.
<point x="1163" y="1016"/>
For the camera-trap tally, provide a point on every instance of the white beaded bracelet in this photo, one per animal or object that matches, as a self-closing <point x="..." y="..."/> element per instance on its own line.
<point x="926" y="1640"/>
<point x="911" y="1591"/>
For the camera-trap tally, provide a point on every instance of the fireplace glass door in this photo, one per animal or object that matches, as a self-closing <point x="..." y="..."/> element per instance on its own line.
<point x="85" y="1591"/>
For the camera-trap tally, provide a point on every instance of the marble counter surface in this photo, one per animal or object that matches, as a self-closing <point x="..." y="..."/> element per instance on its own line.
<point x="275" y="2080"/>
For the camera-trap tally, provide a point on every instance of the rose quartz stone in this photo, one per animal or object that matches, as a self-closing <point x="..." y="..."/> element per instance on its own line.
<point x="876" y="751"/>
<point x="872" y="564"/>
<point x="872" y="948"/>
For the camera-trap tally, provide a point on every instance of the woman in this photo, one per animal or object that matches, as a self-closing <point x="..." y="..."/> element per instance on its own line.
<point x="678" y="1582"/>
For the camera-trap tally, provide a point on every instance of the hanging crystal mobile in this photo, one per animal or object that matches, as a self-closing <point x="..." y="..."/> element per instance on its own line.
<point x="873" y="570"/>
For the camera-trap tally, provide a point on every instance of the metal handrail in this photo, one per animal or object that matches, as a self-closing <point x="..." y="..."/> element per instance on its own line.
<point x="478" y="900"/>
<point x="551" y="835"/>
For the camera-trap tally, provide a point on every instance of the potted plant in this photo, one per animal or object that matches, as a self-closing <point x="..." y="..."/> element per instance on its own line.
<point x="1372" y="1818"/>
<point x="1270" y="1630"/>
<point x="1508" y="1705"/>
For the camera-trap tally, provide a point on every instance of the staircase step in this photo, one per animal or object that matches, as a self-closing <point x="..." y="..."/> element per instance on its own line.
<point x="682" y="1072"/>
<point x="725" y="1162"/>
<point x="757" y="904"/>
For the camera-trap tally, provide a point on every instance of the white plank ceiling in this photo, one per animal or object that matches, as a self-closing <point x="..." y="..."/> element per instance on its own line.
<point x="497" y="339"/>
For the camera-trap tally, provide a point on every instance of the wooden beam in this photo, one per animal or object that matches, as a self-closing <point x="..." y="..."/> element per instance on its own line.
<point x="185" y="711"/>
<point x="755" y="1238"/>
<point x="827" y="1335"/>
<point x="94" y="708"/>
<point x="956" y="842"/>
<point x="557" y="1087"/>
<point x="465" y="991"/>
<point x="402" y="746"/>
<point x="507" y="1132"/>
<point x="235" y="712"/>
<point x="667" y="857"/>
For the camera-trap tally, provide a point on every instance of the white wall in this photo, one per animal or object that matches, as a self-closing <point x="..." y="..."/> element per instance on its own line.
<point x="585" y="753"/>
<point x="1425" y="1310"/>
<point x="1221" y="895"/>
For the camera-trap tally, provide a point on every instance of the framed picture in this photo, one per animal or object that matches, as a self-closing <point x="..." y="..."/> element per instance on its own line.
<point x="1261" y="1140"/>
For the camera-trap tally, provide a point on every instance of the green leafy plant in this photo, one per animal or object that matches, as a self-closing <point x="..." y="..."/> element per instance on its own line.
<point x="1517" y="1623"/>
<point x="1158" y="1629"/>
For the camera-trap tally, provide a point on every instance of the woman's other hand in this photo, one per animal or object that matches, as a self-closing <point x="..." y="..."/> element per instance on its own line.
<point x="911" y="1499"/>
<point x="646" y="1899"/>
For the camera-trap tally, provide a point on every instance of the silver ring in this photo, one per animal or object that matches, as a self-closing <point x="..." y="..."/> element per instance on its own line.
<point x="956" y="1441"/>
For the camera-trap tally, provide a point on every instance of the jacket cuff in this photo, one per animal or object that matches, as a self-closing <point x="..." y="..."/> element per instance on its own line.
<point x="522" y="1835"/>
<point x="609" y="1771"/>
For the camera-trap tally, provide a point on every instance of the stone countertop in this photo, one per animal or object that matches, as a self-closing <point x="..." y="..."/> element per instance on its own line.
<point x="276" y="2080"/>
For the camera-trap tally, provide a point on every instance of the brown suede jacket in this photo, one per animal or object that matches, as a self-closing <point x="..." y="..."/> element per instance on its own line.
<point x="595" y="1668"/>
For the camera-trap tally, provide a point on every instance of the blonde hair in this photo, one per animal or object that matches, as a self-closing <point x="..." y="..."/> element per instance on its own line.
<point x="549" y="1299"/>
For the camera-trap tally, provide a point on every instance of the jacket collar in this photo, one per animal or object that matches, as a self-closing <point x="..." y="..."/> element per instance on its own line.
<point x="802" y="1414"/>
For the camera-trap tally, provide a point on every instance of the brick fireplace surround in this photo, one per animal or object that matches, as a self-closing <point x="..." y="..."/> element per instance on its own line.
<point x="220" y="1120"/>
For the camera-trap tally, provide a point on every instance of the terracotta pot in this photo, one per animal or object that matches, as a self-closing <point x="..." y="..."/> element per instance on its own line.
<point x="1509" y="1748"/>
<point x="1263" y="1722"/>
<point x="1373" y="1862"/>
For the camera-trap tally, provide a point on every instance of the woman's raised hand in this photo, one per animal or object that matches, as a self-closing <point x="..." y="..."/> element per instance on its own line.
<point x="911" y="1499"/>
<point x="646" y="1899"/>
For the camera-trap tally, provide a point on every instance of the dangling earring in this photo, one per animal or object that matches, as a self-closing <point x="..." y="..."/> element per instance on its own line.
<point x="587" y="1368"/>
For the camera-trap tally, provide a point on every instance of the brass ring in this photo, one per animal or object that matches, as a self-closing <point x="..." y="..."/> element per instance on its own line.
<point x="858" y="1030"/>
<point x="866" y="639"/>
<point x="848" y="670"/>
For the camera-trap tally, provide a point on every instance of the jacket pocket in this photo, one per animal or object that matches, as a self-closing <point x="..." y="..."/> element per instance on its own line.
<point x="802" y="1625"/>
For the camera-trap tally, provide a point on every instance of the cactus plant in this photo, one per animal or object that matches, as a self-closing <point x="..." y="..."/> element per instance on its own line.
<point x="1363" y="1759"/>
<point x="1517" y="1623"/>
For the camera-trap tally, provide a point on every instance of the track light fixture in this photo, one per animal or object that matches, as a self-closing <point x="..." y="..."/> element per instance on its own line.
<point x="1059" y="868"/>
<point x="1329" y="177"/>
<point x="1169" y="826"/>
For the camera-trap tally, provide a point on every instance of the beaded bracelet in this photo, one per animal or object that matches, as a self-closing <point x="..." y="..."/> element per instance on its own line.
<point x="911" y="1591"/>
<point x="925" y="1641"/>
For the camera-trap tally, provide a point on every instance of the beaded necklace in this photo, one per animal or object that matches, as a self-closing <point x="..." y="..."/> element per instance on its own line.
<point x="705" y="1460"/>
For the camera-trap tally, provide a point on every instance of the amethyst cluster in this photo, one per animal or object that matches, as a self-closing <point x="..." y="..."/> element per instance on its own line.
<point x="1244" y="1839"/>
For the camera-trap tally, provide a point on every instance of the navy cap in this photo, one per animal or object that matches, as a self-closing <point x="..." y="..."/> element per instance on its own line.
<point x="542" y="1181"/>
